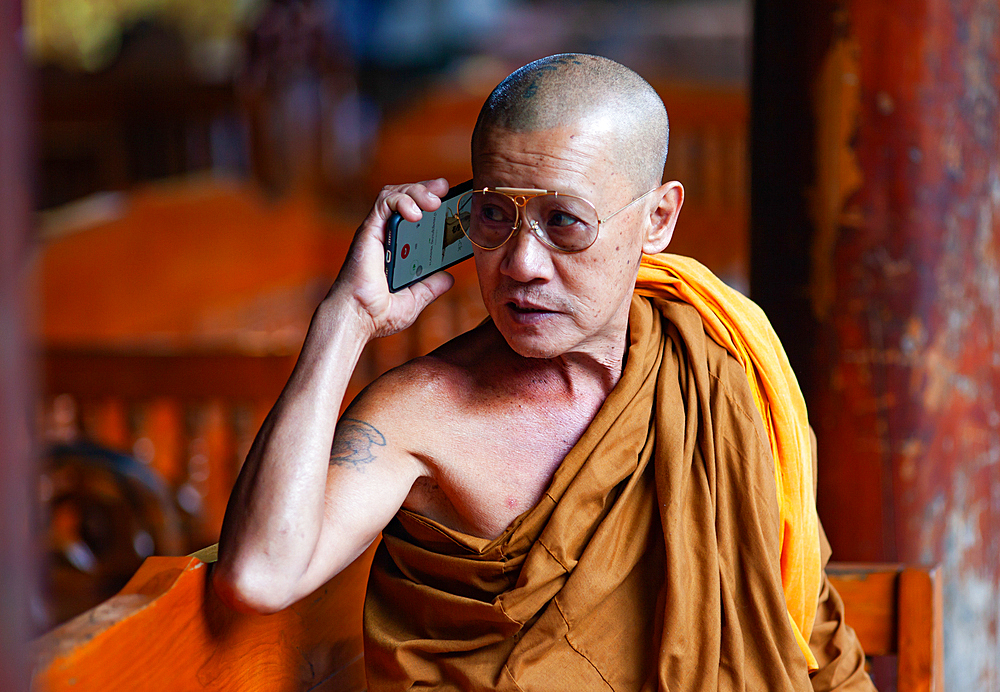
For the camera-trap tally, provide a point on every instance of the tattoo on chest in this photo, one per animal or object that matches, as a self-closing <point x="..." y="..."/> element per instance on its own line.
<point x="355" y="443"/>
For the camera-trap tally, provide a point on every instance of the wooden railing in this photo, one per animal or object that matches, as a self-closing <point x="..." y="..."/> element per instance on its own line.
<point x="190" y="417"/>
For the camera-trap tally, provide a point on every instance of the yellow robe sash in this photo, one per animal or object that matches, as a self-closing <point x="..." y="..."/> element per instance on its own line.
<point x="739" y="326"/>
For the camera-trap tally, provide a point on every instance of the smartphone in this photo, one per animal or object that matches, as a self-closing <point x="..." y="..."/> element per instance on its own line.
<point x="414" y="251"/>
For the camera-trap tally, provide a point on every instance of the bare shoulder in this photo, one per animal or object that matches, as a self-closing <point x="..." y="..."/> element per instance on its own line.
<point x="423" y="397"/>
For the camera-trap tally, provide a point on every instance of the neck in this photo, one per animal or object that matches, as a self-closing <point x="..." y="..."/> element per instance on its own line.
<point x="587" y="375"/>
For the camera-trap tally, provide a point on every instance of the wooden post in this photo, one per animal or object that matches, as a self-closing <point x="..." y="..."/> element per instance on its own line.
<point x="16" y="564"/>
<point x="890" y="173"/>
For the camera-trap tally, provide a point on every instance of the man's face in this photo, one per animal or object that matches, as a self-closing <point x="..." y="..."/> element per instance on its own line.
<point x="544" y="302"/>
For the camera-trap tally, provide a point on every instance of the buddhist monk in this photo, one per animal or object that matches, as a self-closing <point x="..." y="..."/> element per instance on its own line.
<point x="608" y="484"/>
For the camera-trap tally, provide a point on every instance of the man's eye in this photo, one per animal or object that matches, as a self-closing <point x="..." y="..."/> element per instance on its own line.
<point x="492" y="213"/>
<point x="561" y="219"/>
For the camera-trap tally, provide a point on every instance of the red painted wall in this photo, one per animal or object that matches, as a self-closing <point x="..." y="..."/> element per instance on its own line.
<point x="876" y="248"/>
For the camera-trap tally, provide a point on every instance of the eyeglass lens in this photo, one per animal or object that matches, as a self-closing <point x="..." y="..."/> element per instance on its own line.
<point x="565" y="222"/>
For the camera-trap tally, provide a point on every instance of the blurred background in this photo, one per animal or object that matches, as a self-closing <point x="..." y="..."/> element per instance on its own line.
<point x="200" y="169"/>
<point x="180" y="180"/>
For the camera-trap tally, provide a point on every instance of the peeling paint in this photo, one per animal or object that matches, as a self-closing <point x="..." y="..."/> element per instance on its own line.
<point x="973" y="594"/>
<point x="908" y="297"/>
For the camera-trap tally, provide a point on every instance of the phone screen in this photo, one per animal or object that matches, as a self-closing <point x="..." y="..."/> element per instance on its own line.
<point x="417" y="250"/>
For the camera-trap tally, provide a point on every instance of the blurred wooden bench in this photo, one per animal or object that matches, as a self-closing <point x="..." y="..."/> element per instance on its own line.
<point x="896" y="610"/>
<point x="166" y="630"/>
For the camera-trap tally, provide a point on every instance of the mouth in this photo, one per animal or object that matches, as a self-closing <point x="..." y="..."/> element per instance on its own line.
<point x="527" y="313"/>
<point x="526" y="309"/>
<point x="522" y="305"/>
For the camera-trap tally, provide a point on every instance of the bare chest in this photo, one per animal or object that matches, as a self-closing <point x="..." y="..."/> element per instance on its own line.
<point x="492" y="467"/>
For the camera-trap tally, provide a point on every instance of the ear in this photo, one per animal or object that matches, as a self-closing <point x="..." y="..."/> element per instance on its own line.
<point x="663" y="217"/>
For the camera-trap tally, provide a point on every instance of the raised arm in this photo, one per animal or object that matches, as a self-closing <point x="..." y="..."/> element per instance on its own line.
<point x="313" y="492"/>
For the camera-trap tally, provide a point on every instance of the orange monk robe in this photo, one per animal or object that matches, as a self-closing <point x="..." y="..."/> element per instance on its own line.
<point x="667" y="553"/>
<point x="738" y="325"/>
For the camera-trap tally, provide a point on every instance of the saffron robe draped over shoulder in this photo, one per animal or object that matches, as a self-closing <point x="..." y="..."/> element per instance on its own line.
<point x="653" y="561"/>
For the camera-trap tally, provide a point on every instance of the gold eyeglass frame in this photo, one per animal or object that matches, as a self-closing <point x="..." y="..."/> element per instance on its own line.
<point x="520" y="196"/>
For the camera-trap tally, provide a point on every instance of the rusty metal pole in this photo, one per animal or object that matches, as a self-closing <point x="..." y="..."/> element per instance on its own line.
<point x="17" y="576"/>
<point x="903" y="200"/>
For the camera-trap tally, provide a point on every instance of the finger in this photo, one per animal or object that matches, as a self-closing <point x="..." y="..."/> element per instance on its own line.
<point x="404" y="205"/>
<point x="439" y="186"/>
<point x="431" y="288"/>
<point x="394" y="198"/>
<point x="409" y="201"/>
<point x="428" y="194"/>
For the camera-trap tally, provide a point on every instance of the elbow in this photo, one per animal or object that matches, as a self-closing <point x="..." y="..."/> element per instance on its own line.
<point x="249" y="591"/>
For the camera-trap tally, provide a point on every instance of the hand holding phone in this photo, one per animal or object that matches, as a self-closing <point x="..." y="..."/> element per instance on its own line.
<point x="415" y="250"/>
<point x="361" y="285"/>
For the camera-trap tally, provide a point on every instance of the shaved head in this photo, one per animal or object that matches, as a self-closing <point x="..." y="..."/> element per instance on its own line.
<point x="574" y="89"/>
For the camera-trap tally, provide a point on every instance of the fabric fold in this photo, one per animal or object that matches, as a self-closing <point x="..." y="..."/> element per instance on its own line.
<point x="740" y="326"/>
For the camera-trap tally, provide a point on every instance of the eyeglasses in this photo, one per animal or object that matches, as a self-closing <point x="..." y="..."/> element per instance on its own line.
<point x="567" y="223"/>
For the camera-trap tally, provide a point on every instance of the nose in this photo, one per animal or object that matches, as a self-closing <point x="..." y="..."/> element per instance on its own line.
<point x="526" y="258"/>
